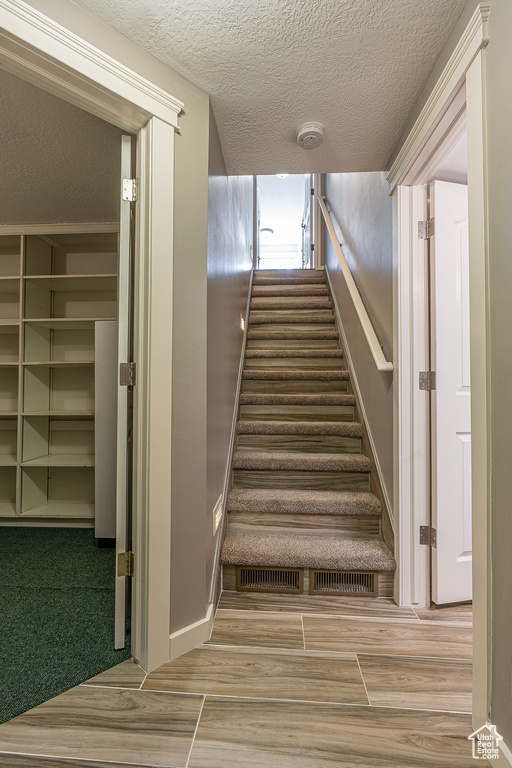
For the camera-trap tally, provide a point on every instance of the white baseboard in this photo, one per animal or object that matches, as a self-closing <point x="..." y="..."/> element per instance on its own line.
<point x="189" y="637"/>
<point x="505" y="758"/>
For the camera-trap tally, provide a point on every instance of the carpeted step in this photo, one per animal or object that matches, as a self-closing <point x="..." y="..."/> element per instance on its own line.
<point x="249" y="398"/>
<point x="301" y="303"/>
<point x="293" y="280"/>
<point x="295" y="318"/>
<point x="284" y="353"/>
<point x="286" y="502"/>
<point x="303" y="462"/>
<point x="289" y="290"/>
<point x="289" y="551"/>
<point x="267" y="427"/>
<point x="287" y="375"/>
<point x="266" y="333"/>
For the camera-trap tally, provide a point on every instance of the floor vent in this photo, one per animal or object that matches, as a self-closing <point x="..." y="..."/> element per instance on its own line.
<point x="287" y="580"/>
<point x="343" y="583"/>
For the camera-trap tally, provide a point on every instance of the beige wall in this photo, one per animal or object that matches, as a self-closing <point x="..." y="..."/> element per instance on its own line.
<point x="363" y="208"/>
<point x="59" y="164"/>
<point x="499" y="125"/>
<point x="230" y="224"/>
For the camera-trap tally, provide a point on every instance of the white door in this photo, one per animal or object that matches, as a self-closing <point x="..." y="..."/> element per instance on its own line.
<point x="451" y="400"/>
<point x="124" y="396"/>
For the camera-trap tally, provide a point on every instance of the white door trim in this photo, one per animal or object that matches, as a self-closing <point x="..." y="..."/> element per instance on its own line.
<point x="466" y="64"/>
<point x="37" y="49"/>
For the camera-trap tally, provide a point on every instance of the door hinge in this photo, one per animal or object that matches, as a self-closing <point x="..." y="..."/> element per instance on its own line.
<point x="425" y="229"/>
<point x="312" y="246"/>
<point x="125" y="562"/>
<point x="428" y="536"/>
<point x="130" y="190"/>
<point x="428" y="380"/>
<point x="127" y="374"/>
<point x="312" y="190"/>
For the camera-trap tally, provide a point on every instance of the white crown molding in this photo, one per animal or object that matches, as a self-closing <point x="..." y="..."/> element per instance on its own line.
<point x="474" y="38"/>
<point x="40" y="50"/>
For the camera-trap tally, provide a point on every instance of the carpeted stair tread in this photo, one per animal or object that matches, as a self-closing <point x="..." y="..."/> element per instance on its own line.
<point x="289" y="290"/>
<point x="262" y="333"/>
<point x="303" y="462"/>
<point x="300" y="303"/>
<point x="327" y="398"/>
<point x="295" y="318"/>
<point x="275" y="501"/>
<point x="305" y="353"/>
<point x="289" y="551"/>
<point x="287" y="375"/>
<point x="267" y="427"/>
<point x="292" y="280"/>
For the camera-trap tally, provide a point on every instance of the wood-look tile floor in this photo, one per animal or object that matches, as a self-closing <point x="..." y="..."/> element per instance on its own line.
<point x="284" y="681"/>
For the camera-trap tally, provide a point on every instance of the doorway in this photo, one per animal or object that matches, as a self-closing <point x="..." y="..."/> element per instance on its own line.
<point x="283" y="205"/>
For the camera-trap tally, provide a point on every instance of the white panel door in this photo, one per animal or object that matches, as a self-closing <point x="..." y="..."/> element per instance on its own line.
<point x="123" y="473"/>
<point x="451" y="400"/>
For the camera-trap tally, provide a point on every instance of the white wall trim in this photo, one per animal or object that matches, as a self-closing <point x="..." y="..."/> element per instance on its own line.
<point x="183" y="640"/>
<point x="474" y="38"/>
<point x="227" y="477"/>
<point x="505" y="758"/>
<point x="37" y="49"/>
<point x="103" y="227"/>
<point x="55" y="56"/>
<point x="346" y="350"/>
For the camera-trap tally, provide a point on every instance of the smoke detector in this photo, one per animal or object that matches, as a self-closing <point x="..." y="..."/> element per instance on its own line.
<point x="310" y="135"/>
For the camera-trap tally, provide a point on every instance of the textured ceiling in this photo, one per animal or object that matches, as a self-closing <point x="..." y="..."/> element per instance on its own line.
<point x="357" y="66"/>
<point x="59" y="164"/>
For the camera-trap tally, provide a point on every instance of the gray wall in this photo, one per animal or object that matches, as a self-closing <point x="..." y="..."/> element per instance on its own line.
<point x="363" y="209"/>
<point x="59" y="163"/>
<point x="499" y="131"/>
<point x="230" y="224"/>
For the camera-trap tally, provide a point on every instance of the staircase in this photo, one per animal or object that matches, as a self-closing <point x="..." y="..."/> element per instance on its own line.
<point x="302" y="516"/>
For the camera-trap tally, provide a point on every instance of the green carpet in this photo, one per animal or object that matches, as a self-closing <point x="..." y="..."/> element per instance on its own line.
<point x="56" y="614"/>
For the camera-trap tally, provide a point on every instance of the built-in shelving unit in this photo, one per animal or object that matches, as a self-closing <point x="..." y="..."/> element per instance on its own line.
<point x="53" y="289"/>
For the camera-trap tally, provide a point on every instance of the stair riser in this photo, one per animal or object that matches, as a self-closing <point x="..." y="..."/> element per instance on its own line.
<point x="385" y="581"/>
<point x="307" y="525"/>
<point x="300" y="443"/>
<point x="296" y="480"/>
<point x="288" y="281"/>
<point x="293" y="387"/>
<point x="298" y="412"/>
<point x="284" y="303"/>
<point x="265" y="315"/>
<point x="289" y="291"/>
<point x="292" y="344"/>
<point x="322" y="322"/>
<point x="294" y="363"/>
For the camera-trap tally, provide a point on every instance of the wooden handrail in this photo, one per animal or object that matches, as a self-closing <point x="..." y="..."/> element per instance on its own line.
<point x="366" y="324"/>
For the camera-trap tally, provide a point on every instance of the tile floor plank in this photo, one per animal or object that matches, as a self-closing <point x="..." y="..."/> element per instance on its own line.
<point x="29" y="761"/>
<point x="267" y="630"/>
<point x="138" y="728"/>
<point x="262" y="673"/>
<point x="128" y="674"/>
<point x="361" y="606"/>
<point x="462" y="613"/>
<point x="259" y="734"/>
<point x="396" y="681"/>
<point x="396" y="638"/>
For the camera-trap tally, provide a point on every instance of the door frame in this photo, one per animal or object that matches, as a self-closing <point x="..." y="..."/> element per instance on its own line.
<point x="464" y="70"/>
<point x="37" y="49"/>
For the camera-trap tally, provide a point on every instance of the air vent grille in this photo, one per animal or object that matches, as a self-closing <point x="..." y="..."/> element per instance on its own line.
<point x="289" y="580"/>
<point x="343" y="583"/>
